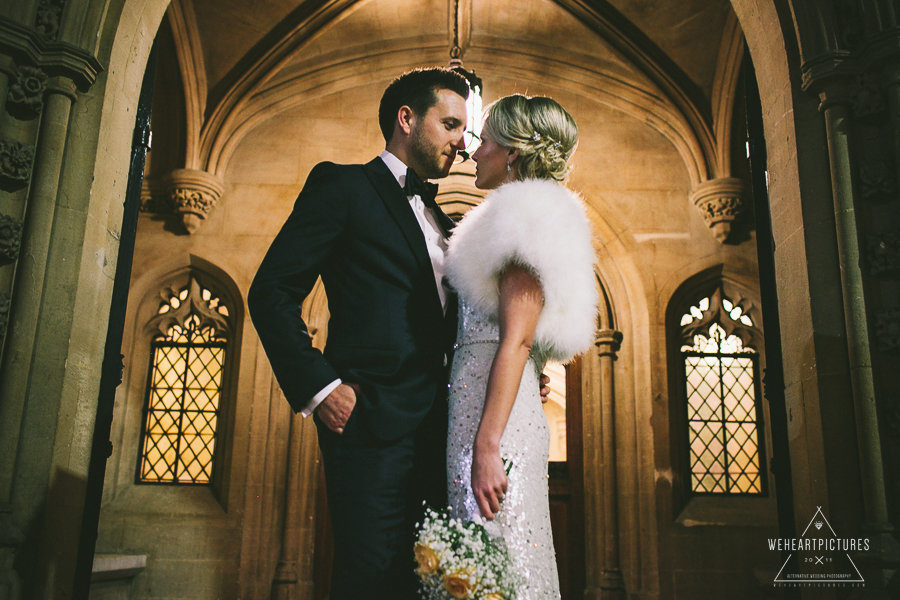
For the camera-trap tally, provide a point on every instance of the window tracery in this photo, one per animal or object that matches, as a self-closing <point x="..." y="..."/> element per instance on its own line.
<point x="718" y="343"/>
<point x="184" y="388"/>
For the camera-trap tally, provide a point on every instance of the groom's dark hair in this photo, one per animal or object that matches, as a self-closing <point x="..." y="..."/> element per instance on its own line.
<point x="417" y="89"/>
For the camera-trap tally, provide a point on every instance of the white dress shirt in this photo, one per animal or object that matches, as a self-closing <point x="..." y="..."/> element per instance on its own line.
<point x="434" y="241"/>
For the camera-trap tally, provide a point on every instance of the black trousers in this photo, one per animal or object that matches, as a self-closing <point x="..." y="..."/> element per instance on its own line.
<point x="375" y="493"/>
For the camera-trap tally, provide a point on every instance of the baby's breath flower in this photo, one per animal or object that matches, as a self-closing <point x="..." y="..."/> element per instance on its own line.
<point x="458" y="560"/>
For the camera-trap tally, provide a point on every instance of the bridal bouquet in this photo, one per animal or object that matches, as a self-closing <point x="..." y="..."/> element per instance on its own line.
<point x="461" y="560"/>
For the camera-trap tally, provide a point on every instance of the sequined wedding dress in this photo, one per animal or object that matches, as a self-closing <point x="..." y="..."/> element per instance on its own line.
<point x="541" y="225"/>
<point x="524" y="517"/>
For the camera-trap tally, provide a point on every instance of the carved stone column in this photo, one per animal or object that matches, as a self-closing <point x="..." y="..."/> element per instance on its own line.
<point x="293" y="574"/>
<point x="611" y="585"/>
<point x="22" y="93"/>
<point x="193" y="195"/>
<point x="721" y="202"/>
<point x="884" y="551"/>
<point x="26" y="303"/>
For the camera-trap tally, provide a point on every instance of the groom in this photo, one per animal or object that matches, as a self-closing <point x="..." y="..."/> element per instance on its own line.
<point x="378" y="393"/>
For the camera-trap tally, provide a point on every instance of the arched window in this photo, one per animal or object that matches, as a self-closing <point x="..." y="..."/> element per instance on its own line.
<point x="184" y="386"/>
<point x="719" y="343"/>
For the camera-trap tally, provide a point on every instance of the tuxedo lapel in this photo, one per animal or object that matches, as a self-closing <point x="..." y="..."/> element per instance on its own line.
<point x="398" y="206"/>
<point x="444" y="222"/>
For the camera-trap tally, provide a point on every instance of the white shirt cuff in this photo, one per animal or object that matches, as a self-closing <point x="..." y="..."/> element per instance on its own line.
<point x="317" y="399"/>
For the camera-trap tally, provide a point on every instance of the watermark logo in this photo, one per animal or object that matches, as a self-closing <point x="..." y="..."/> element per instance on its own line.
<point x="819" y="558"/>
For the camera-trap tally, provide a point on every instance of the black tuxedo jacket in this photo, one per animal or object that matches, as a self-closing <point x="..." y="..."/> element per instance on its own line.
<point x="354" y="226"/>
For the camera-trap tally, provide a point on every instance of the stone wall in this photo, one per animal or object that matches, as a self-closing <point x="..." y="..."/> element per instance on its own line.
<point x="660" y="171"/>
<point x="650" y="238"/>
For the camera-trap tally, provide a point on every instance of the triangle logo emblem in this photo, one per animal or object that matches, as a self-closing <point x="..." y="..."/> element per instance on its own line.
<point x="820" y="556"/>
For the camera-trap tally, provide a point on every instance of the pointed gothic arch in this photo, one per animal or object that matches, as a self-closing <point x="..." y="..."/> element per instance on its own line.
<point x="127" y="31"/>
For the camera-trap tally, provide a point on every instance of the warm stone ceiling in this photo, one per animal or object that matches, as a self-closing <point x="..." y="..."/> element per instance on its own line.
<point x="228" y="30"/>
<point x="687" y="31"/>
<point x="543" y="28"/>
<point x="268" y="89"/>
<point x="666" y="63"/>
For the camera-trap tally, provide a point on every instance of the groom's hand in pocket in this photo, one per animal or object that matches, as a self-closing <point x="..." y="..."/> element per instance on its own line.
<point x="336" y="408"/>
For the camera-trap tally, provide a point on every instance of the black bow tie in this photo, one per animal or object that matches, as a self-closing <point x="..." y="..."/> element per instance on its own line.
<point x="416" y="187"/>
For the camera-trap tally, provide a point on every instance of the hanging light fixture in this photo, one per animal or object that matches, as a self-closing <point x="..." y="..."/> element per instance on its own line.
<point x="474" y="101"/>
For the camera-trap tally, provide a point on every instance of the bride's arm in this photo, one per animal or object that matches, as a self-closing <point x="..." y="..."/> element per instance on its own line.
<point x="521" y="300"/>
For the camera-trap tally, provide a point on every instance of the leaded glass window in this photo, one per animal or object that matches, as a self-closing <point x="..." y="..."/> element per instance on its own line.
<point x="184" y="389"/>
<point x="724" y="422"/>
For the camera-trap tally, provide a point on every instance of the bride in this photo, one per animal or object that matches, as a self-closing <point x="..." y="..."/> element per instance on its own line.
<point x="522" y="265"/>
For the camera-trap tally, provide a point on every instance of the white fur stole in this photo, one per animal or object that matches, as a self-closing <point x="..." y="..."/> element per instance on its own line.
<point x="541" y="225"/>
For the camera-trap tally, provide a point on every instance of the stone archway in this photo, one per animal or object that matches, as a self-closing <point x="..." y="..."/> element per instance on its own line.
<point x="85" y="69"/>
<point x="824" y="86"/>
<point x="122" y="38"/>
<point x="647" y="567"/>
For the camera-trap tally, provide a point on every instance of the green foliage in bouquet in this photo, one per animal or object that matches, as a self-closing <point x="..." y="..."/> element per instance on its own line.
<point x="458" y="561"/>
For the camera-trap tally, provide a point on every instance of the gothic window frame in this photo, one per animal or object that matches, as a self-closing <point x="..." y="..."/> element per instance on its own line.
<point x="682" y="334"/>
<point x="196" y="308"/>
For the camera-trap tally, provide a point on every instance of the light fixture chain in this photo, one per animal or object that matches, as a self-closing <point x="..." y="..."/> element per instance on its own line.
<point x="455" y="50"/>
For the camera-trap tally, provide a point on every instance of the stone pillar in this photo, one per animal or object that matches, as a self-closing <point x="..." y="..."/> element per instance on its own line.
<point x="293" y="574"/>
<point x="15" y="370"/>
<point x="602" y="475"/>
<point x="884" y="551"/>
<point x="193" y="195"/>
<point x="24" y="307"/>
<point x="21" y="92"/>
<point x="720" y="201"/>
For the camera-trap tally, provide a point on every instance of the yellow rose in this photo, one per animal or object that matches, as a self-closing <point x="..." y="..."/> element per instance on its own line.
<point x="493" y="596"/>
<point x="458" y="586"/>
<point x="427" y="559"/>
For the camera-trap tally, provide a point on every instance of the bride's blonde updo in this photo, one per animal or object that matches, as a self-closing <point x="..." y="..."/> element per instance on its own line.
<point x="543" y="132"/>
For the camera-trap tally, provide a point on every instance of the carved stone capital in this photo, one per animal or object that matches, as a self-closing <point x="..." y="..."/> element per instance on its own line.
<point x="58" y="59"/>
<point x="4" y="314"/>
<point x="193" y="194"/>
<point x="26" y="92"/>
<point x="10" y="238"/>
<point x="608" y="342"/>
<point x="15" y="162"/>
<point x="721" y="202"/>
<point x="887" y="329"/>
<point x="822" y="72"/>
<point x="883" y="252"/>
